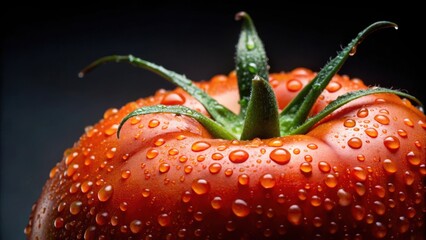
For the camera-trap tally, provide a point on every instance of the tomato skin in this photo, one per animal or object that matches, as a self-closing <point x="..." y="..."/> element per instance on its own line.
<point x="358" y="174"/>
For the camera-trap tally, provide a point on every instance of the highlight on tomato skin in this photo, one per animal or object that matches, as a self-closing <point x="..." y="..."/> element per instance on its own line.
<point x="337" y="159"/>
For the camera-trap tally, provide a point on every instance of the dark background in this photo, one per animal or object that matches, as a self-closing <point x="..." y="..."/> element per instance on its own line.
<point x="45" y="106"/>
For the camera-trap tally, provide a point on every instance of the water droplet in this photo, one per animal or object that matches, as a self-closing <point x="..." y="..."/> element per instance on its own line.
<point x="105" y="193"/>
<point x="345" y="198"/>
<point x="349" y="123"/>
<point x="294" y="85"/>
<point x="110" y="153"/>
<point x="228" y="172"/>
<point x="243" y="179"/>
<point x="90" y="233"/>
<point x="183" y="159"/>
<point x="110" y="112"/>
<point x="72" y="169"/>
<point x="379" y="191"/>
<point x="379" y="230"/>
<point x="200" y="186"/>
<point x="102" y="218"/>
<point x="392" y="143"/>
<point x="360" y="189"/>
<point x="275" y="143"/>
<point x="308" y="158"/>
<point x="360" y="173"/>
<point x="267" y="181"/>
<point x="305" y="167"/>
<point x="371" y="132"/>
<point x="408" y="122"/>
<point x="240" y="208"/>
<point x="390" y="166"/>
<point x="201" y="158"/>
<point x="153" y="123"/>
<point x="53" y="172"/>
<point x="358" y="212"/>
<point x="164" y="219"/>
<point x="280" y="156"/>
<point x="324" y="167"/>
<point x="403" y="224"/>
<point x="200" y="146"/>
<point x="164" y="167"/>
<point x="59" y="222"/>
<point x="173" y="152"/>
<point x="238" y="156"/>
<point x="135" y="226"/>
<point x="252" y="67"/>
<point x="75" y="207"/>
<point x="173" y="98"/>
<point x="112" y="130"/>
<point x="216" y="202"/>
<point x="316" y="201"/>
<point x="250" y="44"/>
<point x="409" y="178"/>
<point x="355" y="143"/>
<point x="328" y="204"/>
<point x="125" y="174"/>
<point x="413" y="159"/>
<point x="333" y="86"/>
<point x="330" y="181"/>
<point x="362" y="113"/>
<point x="124" y="206"/>
<point x="159" y="142"/>
<point x="146" y="192"/>
<point x="217" y="156"/>
<point x="379" y="207"/>
<point x="295" y="215"/>
<point x="380" y="118"/>
<point x="215" y="168"/>
<point x="360" y="157"/>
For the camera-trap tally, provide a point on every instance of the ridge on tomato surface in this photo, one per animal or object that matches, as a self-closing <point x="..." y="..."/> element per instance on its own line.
<point x="251" y="155"/>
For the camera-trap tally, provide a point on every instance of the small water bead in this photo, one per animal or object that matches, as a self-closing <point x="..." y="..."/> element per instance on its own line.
<point x="124" y="206"/>
<point x="333" y="86"/>
<point x="217" y="156"/>
<point x="312" y="146"/>
<point x="418" y="144"/>
<point x="280" y="156"/>
<point x="308" y="158"/>
<point x="238" y="156"/>
<point x="275" y="143"/>
<point x="240" y="208"/>
<point x="349" y="123"/>
<point x="110" y="153"/>
<point x="371" y="132"/>
<point x="58" y="222"/>
<point x="382" y="119"/>
<point x="53" y="172"/>
<point x="305" y="167"/>
<point x="302" y="194"/>
<point x="75" y="207"/>
<point x="294" y="85"/>
<point x="216" y="203"/>
<point x="110" y="112"/>
<point x="72" y="169"/>
<point x="403" y="224"/>
<point x="360" y="173"/>
<point x="360" y="189"/>
<point x="125" y="174"/>
<point x="379" y="191"/>
<point x="408" y="122"/>
<point x="409" y="178"/>
<point x="345" y="198"/>
<point x="379" y="230"/>
<point x="201" y="158"/>
<point x="390" y="166"/>
<point x="102" y="218"/>
<point x="316" y="201"/>
<point x="328" y="204"/>
<point x="324" y="166"/>
<point x="355" y="143"/>
<point x="90" y="233"/>
<point x="215" y="168"/>
<point x="200" y="146"/>
<point x="330" y="181"/>
<point x="392" y="143"/>
<point x="200" y="186"/>
<point x="422" y="169"/>
<point x="252" y="67"/>
<point x="362" y="113"/>
<point x="173" y="152"/>
<point x="112" y="130"/>
<point x="74" y="187"/>
<point x="358" y="212"/>
<point x="243" y="179"/>
<point x="164" y="219"/>
<point x="379" y="208"/>
<point x="164" y="167"/>
<point x="413" y="159"/>
<point x="159" y="142"/>
<point x="135" y="226"/>
<point x="267" y="181"/>
<point x="295" y="215"/>
<point x="105" y="193"/>
<point x="183" y="159"/>
<point x="296" y="151"/>
<point x="187" y="169"/>
<point x="153" y="123"/>
<point x="360" y="157"/>
<point x="173" y="98"/>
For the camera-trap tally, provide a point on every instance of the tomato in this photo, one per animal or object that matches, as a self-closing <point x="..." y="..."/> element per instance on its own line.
<point x="248" y="155"/>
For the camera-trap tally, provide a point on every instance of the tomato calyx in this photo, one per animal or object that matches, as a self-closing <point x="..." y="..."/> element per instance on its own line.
<point x="259" y="115"/>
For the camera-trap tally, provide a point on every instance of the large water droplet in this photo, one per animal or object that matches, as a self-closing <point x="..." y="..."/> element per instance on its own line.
<point x="243" y="179"/>
<point x="280" y="156"/>
<point x="200" y="186"/>
<point x="238" y="156"/>
<point x="75" y="207"/>
<point x="267" y="181"/>
<point x="392" y="143"/>
<point x="240" y="208"/>
<point x="295" y="215"/>
<point x="216" y="202"/>
<point x="345" y="198"/>
<point x="355" y="143"/>
<point x="105" y="193"/>
<point x="164" y="219"/>
<point x="390" y="166"/>
<point x="200" y="146"/>
<point x="215" y="168"/>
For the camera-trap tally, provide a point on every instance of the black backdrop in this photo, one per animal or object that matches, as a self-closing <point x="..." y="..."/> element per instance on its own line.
<point x="45" y="107"/>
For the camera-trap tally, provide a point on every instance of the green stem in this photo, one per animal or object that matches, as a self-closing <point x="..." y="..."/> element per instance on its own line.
<point x="297" y="111"/>
<point x="213" y="127"/>
<point x="219" y="113"/>
<point x="250" y="59"/>
<point x="342" y="100"/>
<point x="261" y="119"/>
